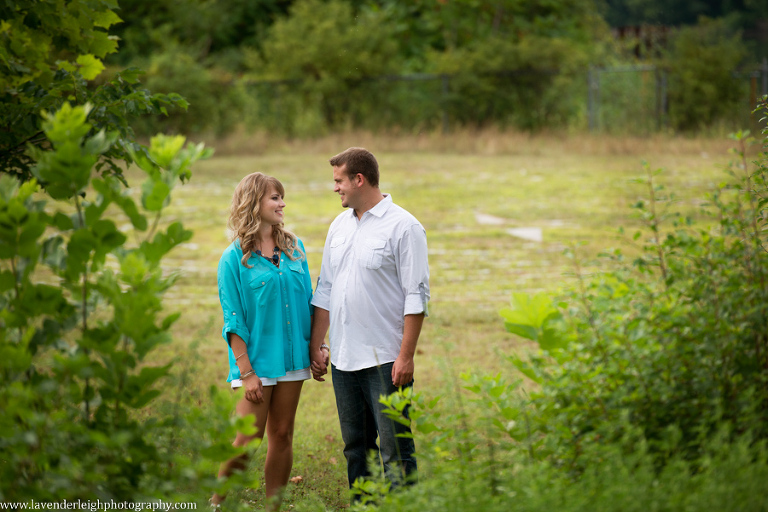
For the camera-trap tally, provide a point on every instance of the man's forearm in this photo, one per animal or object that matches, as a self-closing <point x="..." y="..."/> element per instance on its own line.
<point x="321" y="320"/>
<point x="411" y="332"/>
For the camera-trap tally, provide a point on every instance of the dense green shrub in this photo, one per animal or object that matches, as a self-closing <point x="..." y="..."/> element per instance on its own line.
<point x="650" y="386"/>
<point x="672" y="343"/>
<point x="80" y="319"/>
<point x="674" y="340"/>
<point x="732" y="478"/>
<point x="50" y="54"/>
<point x="324" y="49"/>
<point x="528" y="84"/>
<point x="215" y="101"/>
<point x="702" y="86"/>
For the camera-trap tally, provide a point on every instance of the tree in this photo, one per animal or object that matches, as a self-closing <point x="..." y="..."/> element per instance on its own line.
<point x="51" y="52"/>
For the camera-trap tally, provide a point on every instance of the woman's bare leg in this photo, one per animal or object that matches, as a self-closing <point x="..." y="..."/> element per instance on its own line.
<point x="280" y="423"/>
<point x="243" y="408"/>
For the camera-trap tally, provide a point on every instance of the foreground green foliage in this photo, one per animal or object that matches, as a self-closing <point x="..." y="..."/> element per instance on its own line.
<point x="651" y="379"/>
<point x="673" y="342"/>
<point x="81" y="318"/>
<point x="50" y="53"/>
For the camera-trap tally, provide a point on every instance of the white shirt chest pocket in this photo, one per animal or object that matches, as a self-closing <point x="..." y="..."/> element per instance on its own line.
<point x="338" y="245"/>
<point x="372" y="252"/>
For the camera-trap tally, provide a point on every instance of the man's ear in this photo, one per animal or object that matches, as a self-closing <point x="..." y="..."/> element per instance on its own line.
<point x="359" y="179"/>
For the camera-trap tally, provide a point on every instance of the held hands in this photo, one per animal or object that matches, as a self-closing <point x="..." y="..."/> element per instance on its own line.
<point x="402" y="371"/>
<point x="254" y="391"/>
<point x="319" y="366"/>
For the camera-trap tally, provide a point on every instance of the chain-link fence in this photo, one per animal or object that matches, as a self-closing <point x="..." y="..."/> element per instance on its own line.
<point x="636" y="100"/>
<point x="632" y="100"/>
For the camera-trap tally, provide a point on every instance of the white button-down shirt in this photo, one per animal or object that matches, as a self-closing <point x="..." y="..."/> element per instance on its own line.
<point x="374" y="272"/>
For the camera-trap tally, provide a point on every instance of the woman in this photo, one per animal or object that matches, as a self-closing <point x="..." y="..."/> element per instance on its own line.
<point x="265" y="293"/>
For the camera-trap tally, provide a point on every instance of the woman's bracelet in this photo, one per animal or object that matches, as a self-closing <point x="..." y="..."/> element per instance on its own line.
<point x="241" y="355"/>
<point x="248" y="374"/>
<point x="325" y="346"/>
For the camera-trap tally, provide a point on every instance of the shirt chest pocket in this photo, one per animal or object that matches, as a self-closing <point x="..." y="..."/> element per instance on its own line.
<point x="296" y="274"/>
<point x="373" y="252"/>
<point x="260" y="286"/>
<point x="338" y="245"/>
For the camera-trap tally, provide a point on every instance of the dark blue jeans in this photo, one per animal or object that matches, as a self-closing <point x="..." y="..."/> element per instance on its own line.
<point x="362" y="419"/>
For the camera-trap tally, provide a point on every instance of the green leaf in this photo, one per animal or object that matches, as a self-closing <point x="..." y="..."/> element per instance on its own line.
<point x="79" y="248"/>
<point x="144" y="398"/>
<point x="105" y="19"/>
<point x="426" y="427"/>
<point x="101" y="45"/>
<point x="170" y="320"/>
<point x="525" y="368"/>
<point x="90" y="66"/>
<point x="101" y="142"/>
<point x="528" y="315"/>
<point x="164" y="148"/>
<point x="67" y="124"/>
<point x="130" y="75"/>
<point x="63" y="222"/>
<point x="110" y="189"/>
<point x="7" y="280"/>
<point x="155" y="195"/>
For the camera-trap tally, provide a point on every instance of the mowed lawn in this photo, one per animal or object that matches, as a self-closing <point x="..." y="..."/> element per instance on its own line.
<point x="468" y="194"/>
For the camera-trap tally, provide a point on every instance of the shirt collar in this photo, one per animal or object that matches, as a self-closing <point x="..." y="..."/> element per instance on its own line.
<point x="382" y="206"/>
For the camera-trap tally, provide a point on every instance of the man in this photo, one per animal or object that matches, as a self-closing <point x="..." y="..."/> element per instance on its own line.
<point x="372" y="291"/>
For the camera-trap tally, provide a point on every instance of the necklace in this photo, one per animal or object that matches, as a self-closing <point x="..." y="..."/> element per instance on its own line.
<point x="275" y="256"/>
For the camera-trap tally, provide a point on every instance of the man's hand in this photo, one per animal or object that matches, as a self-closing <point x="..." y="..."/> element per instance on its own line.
<point x="319" y="366"/>
<point x="402" y="371"/>
<point x="318" y="355"/>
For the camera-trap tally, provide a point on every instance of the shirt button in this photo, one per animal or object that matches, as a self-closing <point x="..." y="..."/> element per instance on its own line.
<point x="281" y="273"/>
<point x="233" y="313"/>
<point x="262" y="282"/>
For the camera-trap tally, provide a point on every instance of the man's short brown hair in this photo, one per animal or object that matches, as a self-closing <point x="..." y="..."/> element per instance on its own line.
<point x="358" y="161"/>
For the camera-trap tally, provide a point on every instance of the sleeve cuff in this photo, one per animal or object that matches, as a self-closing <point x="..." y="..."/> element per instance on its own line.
<point x="235" y="329"/>
<point x="320" y="300"/>
<point x="414" y="304"/>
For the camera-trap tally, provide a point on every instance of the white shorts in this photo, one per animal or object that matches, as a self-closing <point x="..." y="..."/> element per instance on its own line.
<point x="288" y="377"/>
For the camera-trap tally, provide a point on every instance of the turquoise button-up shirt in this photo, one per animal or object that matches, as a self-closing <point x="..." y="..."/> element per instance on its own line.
<point x="269" y="307"/>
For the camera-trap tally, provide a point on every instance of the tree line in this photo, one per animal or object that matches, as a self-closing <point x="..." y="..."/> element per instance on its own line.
<point x="308" y="67"/>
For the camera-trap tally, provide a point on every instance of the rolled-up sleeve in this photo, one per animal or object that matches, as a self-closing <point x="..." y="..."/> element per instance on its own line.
<point x="307" y="279"/>
<point x="414" y="270"/>
<point x="229" y="296"/>
<point x="322" y="297"/>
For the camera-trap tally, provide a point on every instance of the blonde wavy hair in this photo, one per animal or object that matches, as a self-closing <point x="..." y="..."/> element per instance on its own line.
<point x="245" y="217"/>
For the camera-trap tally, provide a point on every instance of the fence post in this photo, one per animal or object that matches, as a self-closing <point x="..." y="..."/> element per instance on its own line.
<point x="661" y="97"/>
<point x="445" y="89"/>
<point x="753" y="91"/>
<point x="593" y="91"/>
<point x="764" y="69"/>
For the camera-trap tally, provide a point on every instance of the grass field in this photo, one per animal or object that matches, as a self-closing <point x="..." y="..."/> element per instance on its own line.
<point x="468" y="190"/>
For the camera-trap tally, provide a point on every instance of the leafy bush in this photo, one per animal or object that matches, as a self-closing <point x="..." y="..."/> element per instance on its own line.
<point x="51" y="54"/>
<point x="528" y="84"/>
<point x="676" y="340"/>
<point x="650" y="386"/>
<point x="477" y="458"/>
<point x="702" y="86"/>
<point x="216" y="103"/>
<point x="81" y="316"/>
<point x="326" y="49"/>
